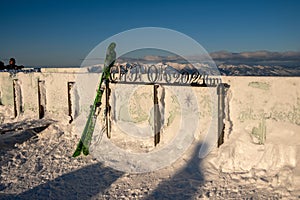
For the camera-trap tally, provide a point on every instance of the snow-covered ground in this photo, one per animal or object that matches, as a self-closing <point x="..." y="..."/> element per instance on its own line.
<point x="260" y="157"/>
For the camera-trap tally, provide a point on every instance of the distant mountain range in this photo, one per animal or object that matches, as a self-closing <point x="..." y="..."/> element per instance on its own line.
<point x="288" y="58"/>
<point x="256" y="63"/>
<point x="258" y="70"/>
<point x="222" y="69"/>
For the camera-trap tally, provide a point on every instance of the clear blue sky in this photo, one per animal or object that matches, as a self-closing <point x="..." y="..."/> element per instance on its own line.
<point x="61" y="33"/>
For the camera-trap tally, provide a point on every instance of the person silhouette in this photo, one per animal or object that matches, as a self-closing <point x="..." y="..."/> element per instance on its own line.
<point x="2" y="65"/>
<point x="12" y="65"/>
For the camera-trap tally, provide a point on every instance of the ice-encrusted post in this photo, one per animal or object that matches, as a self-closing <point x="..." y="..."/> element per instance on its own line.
<point x="41" y="98"/>
<point x="18" y="108"/>
<point x="107" y="109"/>
<point x="221" y="114"/>
<point x="70" y="103"/>
<point x="1" y="98"/>
<point x="156" y="115"/>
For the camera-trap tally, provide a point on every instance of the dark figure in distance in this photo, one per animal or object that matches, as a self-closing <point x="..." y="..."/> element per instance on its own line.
<point x="12" y="65"/>
<point x="2" y="65"/>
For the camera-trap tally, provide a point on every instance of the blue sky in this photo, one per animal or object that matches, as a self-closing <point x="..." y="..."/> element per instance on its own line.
<point x="62" y="33"/>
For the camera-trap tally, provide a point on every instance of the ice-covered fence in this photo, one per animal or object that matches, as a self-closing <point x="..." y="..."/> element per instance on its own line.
<point x="53" y="93"/>
<point x="262" y="115"/>
<point x="252" y="104"/>
<point x="38" y="94"/>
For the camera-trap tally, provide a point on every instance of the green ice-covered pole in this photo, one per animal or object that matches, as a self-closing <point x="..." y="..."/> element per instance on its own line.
<point x="88" y="131"/>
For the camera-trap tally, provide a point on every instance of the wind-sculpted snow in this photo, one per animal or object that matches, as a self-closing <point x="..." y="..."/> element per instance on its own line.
<point x="259" y="158"/>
